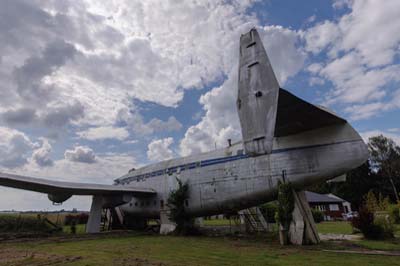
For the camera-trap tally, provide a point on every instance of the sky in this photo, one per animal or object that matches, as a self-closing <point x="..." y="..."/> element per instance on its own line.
<point x="90" y="89"/>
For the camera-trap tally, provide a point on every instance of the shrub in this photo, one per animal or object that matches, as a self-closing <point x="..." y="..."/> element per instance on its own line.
<point x="176" y="202"/>
<point x="19" y="223"/>
<point x="285" y="204"/>
<point x="317" y="215"/>
<point x="374" y="204"/>
<point x="269" y="210"/>
<point x="365" y="223"/>
<point x="386" y="223"/>
<point x="394" y="212"/>
<point x="81" y="218"/>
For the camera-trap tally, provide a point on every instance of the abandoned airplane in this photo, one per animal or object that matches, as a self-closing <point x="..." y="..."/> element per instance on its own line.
<point x="284" y="137"/>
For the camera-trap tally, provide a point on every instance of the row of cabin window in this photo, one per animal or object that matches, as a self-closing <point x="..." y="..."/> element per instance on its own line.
<point x="147" y="203"/>
<point x="169" y="171"/>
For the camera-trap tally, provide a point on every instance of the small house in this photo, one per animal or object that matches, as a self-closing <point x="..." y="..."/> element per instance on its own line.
<point x="332" y="206"/>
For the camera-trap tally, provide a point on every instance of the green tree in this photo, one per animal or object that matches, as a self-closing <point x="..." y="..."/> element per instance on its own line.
<point x="385" y="159"/>
<point x="361" y="178"/>
<point x="285" y="204"/>
<point x="176" y="202"/>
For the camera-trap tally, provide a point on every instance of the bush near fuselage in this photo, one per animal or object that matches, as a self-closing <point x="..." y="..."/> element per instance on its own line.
<point x="81" y="218"/>
<point x="16" y="223"/>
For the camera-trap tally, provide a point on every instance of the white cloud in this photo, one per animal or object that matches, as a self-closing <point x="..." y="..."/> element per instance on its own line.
<point x="159" y="150"/>
<point x="80" y="154"/>
<point x="42" y="155"/>
<point x="362" y="46"/>
<point x="320" y="36"/>
<point x="84" y="51"/>
<point x="108" y="132"/>
<point x="15" y="148"/>
<point x="134" y="121"/>
<point x="170" y="125"/>
<point x="364" y="111"/>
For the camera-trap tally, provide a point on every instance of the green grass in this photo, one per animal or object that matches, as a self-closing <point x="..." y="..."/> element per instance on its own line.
<point x="172" y="250"/>
<point x="80" y="229"/>
<point x="323" y="228"/>
<point x="335" y="228"/>
<point x="380" y="244"/>
<point x="217" y="222"/>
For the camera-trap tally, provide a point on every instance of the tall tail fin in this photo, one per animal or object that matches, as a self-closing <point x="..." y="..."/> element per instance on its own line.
<point x="258" y="95"/>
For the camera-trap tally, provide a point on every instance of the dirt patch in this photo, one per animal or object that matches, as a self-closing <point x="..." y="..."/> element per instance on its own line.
<point x="39" y="238"/>
<point x="366" y="252"/>
<point x="136" y="262"/>
<point x="12" y="257"/>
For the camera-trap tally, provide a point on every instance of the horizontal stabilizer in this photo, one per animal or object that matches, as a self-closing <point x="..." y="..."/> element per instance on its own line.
<point x="295" y="115"/>
<point x="68" y="188"/>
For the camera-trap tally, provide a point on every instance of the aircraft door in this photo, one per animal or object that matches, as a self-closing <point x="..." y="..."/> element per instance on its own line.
<point x="208" y="194"/>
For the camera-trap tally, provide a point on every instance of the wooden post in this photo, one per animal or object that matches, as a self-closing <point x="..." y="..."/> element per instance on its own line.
<point x="302" y="229"/>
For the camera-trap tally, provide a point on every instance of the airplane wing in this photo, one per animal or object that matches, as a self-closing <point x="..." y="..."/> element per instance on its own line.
<point x="295" y="115"/>
<point x="68" y="188"/>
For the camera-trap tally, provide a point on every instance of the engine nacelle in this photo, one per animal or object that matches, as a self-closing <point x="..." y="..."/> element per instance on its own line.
<point x="58" y="198"/>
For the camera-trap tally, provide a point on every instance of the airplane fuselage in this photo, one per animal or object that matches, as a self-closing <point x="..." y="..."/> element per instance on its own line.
<point x="228" y="180"/>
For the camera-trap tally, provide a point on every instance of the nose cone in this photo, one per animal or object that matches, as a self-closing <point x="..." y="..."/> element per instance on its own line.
<point x="364" y="152"/>
<point x="357" y="150"/>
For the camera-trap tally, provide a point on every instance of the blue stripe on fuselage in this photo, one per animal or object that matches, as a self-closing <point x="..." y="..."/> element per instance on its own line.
<point x="214" y="161"/>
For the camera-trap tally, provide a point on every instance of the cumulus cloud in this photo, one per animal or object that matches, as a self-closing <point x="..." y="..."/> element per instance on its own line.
<point x="80" y="154"/>
<point x="29" y="76"/>
<point x="57" y="116"/>
<point x="159" y="150"/>
<point x="42" y="155"/>
<point x="22" y="116"/>
<point x="79" y="49"/>
<point x="134" y="121"/>
<point x="170" y="125"/>
<point x="98" y="133"/>
<point x="362" y="46"/>
<point x="15" y="148"/>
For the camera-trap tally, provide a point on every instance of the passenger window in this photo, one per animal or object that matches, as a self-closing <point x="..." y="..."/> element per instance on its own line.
<point x="239" y="152"/>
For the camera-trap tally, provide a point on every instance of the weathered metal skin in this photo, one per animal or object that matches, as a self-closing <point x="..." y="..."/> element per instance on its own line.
<point x="258" y="91"/>
<point x="302" y="159"/>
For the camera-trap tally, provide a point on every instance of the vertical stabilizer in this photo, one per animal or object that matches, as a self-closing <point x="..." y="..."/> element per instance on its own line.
<point x="258" y="95"/>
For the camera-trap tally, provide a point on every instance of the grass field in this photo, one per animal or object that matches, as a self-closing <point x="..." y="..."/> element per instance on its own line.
<point x="128" y="249"/>
<point x="335" y="228"/>
<point x="170" y="250"/>
<point x="80" y="229"/>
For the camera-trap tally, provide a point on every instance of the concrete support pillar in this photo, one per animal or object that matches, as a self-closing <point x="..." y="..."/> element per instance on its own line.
<point x="167" y="226"/>
<point x="93" y="224"/>
<point x="302" y="229"/>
